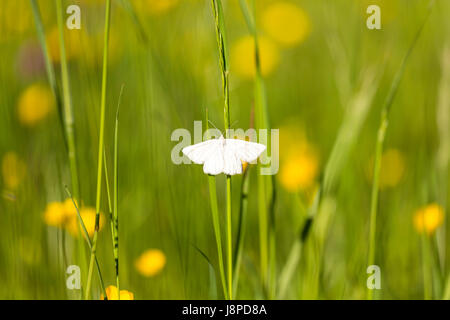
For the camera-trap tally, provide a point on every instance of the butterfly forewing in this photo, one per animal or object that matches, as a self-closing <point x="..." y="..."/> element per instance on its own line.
<point x="200" y="152"/>
<point x="245" y="150"/>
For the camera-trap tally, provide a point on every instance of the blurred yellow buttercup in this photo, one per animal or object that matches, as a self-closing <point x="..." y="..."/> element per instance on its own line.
<point x="13" y="170"/>
<point x="299" y="160"/>
<point x="286" y="23"/>
<point x="35" y="104"/>
<point x="429" y="218"/>
<point x="111" y="293"/>
<point x="88" y="216"/>
<point x="55" y="215"/>
<point x="64" y="215"/>
<point x="299" y="171"/>
<point x="151" y="262"/>
<point x="243" y="56"/>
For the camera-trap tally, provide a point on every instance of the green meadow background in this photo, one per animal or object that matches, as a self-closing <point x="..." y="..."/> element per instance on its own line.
<point x="330" y="83"/>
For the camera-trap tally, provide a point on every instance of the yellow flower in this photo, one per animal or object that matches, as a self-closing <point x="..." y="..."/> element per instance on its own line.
<point x="64" y="215"/>
<point x="243" y="56"/>
<point x="151" y="262"/>
<point x="155" y="7"/>
<point x="111" y="293"/>
<point x="392" y="169"/>
<point x="60" y="214"/>
<point x="88" y="216"/>
<point x="286" y="23"/>
<point x="13" y="170"/>
<point x="299" y="160"/>
<point x="34" y="104"/>
<point x="55" y="214"/>
<point x="429" y="218"/>
<point x="299" y="171"/>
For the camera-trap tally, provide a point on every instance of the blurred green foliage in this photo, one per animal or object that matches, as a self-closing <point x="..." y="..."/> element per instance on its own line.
<point x="168" y="63"/>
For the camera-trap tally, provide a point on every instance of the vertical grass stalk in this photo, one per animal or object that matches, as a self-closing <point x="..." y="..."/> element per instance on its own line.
<point x="216" y="224"/>
<point x="379" y="149"/>
<point x="88" y="241"/>
<point x="113" y="211"/>
<point x="116" y="195"/>
<point x="243" y="205"/>
<point x="100" y="144"/>
<point x="221" y="42"/>
<point x="49" y="67"/>
<point x="67" y="103"/>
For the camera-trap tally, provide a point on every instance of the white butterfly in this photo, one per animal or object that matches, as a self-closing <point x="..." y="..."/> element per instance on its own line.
<point x="223" y="155"/>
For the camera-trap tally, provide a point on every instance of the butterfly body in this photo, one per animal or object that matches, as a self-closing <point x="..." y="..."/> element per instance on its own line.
<point x="223" y="155"/>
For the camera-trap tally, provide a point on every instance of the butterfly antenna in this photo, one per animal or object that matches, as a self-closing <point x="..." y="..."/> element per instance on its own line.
<point x="213" y="125"/>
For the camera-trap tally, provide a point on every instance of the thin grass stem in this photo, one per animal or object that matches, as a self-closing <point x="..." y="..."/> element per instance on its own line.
<point x="68" y="110"/>
<point x="100" y="145"/>
<point x="116" y="194"/>
<point x="50" y="70"/>
<point x="88" y="241"/>
<point x="379" y="148"/>
<point x="221" y="42"/>
<point x="243" y="205"/>
<point x="216" y="224"/>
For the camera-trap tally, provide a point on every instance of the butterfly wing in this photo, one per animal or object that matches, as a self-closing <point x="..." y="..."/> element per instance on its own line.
<point x="245" y="150"/>
<point x="200" y="152"/>
<point x="214" y="164"/>
<point x="231" y="163"/>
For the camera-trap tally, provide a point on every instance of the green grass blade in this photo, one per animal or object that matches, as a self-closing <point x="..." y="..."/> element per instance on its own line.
<point x="68" y="110"/>
<point x="212" y="275"/>
<point x="88" y="241"/>
<point x="116" y="193"/>
<point x="49" y="66"/>
<point x="216" y="224"/>
<point x="100" y="144"/>
<point x="379" y="147"/>
<point x="443" y="155"/>
<point x="237" y="257"/>
<point x="221" y="43"/>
